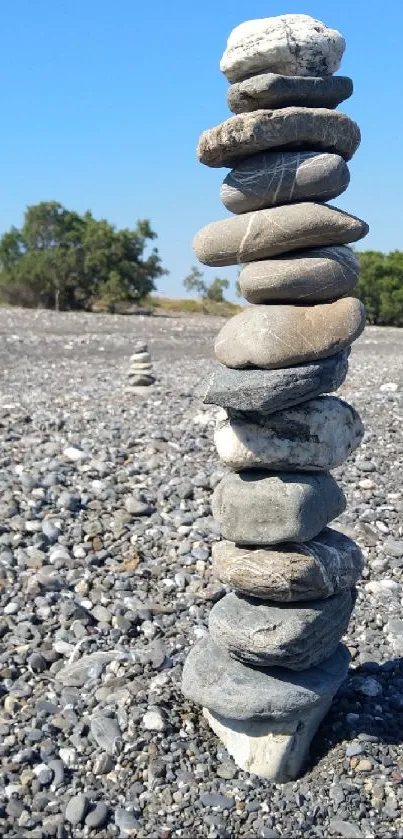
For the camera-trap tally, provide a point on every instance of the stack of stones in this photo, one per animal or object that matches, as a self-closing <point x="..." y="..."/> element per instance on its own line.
<point x="140" y="373"/>
<point x="268" y="670"/>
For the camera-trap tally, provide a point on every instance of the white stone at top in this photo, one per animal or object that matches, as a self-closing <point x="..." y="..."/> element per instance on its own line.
<point x="288" y="44"/>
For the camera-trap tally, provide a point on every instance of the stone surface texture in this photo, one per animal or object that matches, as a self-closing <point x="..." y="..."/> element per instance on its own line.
<point x="230" y="688"/>
<point x="275" y="231"/>
<point x="273" y="90"/>
<point x="315" y="436"/>
<point x="320" y="129"/>
<point x="268" y="391"/>
<point x="292" y="635"/>
<point x="264" y="508"/>
<point x="271" y="178"/>
<point x="275" y="336"/>
<point x="291" y="44"/>
<point x="312" y="276"/>
<point x="274" y="750"/>
<point x="291" y="572"/>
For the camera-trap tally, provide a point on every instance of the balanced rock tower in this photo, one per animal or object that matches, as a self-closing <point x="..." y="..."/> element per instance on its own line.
<point x="140" y="373"/>
<point x="268" y="670"/>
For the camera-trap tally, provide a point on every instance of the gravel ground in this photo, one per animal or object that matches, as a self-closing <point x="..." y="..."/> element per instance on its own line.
<point x="105" y="582"/>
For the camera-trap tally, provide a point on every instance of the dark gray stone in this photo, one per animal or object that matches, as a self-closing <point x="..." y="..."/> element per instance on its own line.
<point x="272" y="178"/>
<point x="311" y="276"/>
<point x="265" y="508"/>
<point x="220" y="683"/>
<point x="320" y="129"/>
<point x="98" y="816"/>
<point x="268" y="391"/>
<point x="272" y="90"/>
<point x="296" y="636"/>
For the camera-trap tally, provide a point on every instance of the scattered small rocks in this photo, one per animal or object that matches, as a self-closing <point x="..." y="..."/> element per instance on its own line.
<point x="44" y="720"/>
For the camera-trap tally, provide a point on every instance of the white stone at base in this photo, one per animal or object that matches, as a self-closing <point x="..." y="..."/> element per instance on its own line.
<point x="276" y="751"/>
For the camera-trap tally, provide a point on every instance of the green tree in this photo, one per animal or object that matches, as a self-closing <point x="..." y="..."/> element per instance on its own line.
<point x="195" y="282"/>
<point x="215" y="291"/>
<point x="60" y="259"/>
<point x="380" y="286"/>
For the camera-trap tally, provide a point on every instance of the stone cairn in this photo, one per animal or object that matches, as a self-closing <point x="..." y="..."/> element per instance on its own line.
<point x="268" y="670"/>
<point x="140" y="373"/>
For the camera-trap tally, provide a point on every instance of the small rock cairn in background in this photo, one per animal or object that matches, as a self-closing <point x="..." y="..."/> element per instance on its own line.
<point x="140" y="373"/>
<point x="268" y="670"/>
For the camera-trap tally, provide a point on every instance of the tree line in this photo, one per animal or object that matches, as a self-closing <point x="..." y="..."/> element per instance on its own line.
<point x="60" y="259"/>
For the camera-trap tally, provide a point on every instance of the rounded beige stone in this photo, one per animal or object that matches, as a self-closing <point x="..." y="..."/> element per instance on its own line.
<point x="271" y="337"/>
<point x="291" y="572"/>
<point x="277" y="230"/>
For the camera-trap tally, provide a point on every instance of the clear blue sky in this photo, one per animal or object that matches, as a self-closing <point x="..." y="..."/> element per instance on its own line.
<point x="103" y="102"/>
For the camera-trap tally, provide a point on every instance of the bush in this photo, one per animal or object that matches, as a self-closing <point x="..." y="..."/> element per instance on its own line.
<point x="380" y="286"/>
<point x="61" y="260"/>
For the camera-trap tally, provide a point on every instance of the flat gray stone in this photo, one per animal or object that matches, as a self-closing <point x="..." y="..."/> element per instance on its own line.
<point x="240" y="136"/>
<point x="225" y="686"/>
<point x="315" y="436"/>
<point x="87" y="667"/>
<point x="140" y="379"/>
<point x="291" y="572"/>
<point x="290" y="44"/>
<point x="273" y="90"/>
<point x="275" y="231"/>
<point x="264" y="508"/>
<point x="107" y="734"/>
<point x="292" y="635"/>
<point x="312" y="276"/>
<point x="268" y="391"/>
<point x="271" y="178"/>
<point x="273" y="336"/>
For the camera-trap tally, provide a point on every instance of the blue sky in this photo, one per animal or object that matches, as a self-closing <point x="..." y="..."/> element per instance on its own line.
<point x="103" y="102"/>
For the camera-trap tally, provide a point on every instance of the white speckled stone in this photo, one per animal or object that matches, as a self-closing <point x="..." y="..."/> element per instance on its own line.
<point x="314" y="436"/>
<point x="289" y="44"/>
